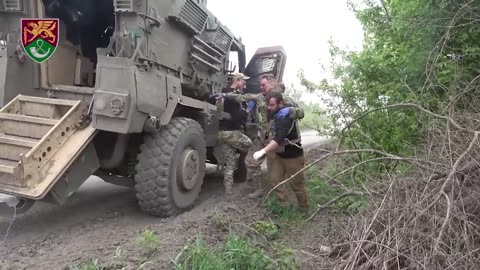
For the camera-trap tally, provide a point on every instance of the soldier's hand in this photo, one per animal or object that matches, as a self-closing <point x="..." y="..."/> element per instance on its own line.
<point x="217" y="96"/>
<point x="259" y="154"/>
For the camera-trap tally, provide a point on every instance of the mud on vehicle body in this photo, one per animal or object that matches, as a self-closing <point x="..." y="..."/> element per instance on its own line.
<point x="123" y="97"/>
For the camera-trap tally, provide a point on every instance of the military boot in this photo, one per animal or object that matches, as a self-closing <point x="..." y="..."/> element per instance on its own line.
<point x="258" y="193"/>
<point x="258" y="189"/>
<point x="228" y="190"/>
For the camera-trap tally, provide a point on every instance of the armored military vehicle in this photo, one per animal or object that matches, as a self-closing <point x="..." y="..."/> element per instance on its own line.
<point x="123" y="97"/>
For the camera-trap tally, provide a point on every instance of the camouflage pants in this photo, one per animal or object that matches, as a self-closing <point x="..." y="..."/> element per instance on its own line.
<point x="232" y="141"/>
<point x="254" y="167"/>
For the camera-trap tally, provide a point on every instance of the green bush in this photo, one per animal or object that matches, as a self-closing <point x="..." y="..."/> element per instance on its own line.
<point x="268" y="229"/>
<point x="411" y="54"/>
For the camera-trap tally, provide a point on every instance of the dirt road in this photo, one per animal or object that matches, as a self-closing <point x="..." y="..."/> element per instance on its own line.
<point x="102" y="217"/>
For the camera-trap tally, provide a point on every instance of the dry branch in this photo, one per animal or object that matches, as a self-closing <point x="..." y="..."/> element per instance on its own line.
<point x="404" y="105"/>
<point x="332" y="201"/>
<point x="430" y="220"/>
<point x="336" y="153"/>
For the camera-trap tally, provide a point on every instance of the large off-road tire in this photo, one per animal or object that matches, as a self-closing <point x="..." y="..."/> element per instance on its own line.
<point x="171" y="168"/>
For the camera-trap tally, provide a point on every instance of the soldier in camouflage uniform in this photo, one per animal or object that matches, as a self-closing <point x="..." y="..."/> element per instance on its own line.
<point x="230" y="134"/>
<point x="267" y="83"/>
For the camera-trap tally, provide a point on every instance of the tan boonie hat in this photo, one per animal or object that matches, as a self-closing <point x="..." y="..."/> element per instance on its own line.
<point x="240" y="76"/>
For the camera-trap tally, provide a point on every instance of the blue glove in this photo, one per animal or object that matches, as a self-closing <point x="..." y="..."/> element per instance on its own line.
<point x="250" y="105"/>
<point x="283" y="113"/>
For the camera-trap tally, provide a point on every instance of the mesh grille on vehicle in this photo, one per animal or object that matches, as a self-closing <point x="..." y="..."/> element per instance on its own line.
<point x="123" y="5"/>
<point x="223" y="40"/>
<point x="11" y="5"/>
<point x="193" y="16"/>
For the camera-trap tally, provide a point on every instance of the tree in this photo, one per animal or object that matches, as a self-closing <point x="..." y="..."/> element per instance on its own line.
<point x="314" y="115"/>
<point x="294" y="93"/>
<point x="402" y="61"/>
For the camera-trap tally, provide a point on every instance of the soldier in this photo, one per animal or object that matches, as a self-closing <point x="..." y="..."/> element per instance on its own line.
<point x="230" y="134"/>
<point x="286" y="152"/>
<point x="267" y="83"/>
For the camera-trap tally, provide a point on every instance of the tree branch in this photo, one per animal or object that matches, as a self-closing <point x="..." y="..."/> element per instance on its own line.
<point x="403" y="105"/>
<point x="329" y="154"/>
<point x="334" y="200"/>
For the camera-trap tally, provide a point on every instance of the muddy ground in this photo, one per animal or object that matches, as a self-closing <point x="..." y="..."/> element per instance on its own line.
<point x="103" y="220"/>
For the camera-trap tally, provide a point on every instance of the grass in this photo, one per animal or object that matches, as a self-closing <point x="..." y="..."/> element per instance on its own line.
<point x="236" y="253"/>
<point x="268" y="229"/>
<point x="149" y="242"/>
<point x="320" y="191"/>
<point x="220" y="221"/>
<point x="286" y="214"/>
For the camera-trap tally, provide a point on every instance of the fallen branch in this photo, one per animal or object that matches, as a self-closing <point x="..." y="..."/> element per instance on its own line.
<point x="329" y="154"/>
<point x="412" y="161"/>
<point x="450" y="176"/>
<point x="445" y="222"/>
<point x="332" y="201"/>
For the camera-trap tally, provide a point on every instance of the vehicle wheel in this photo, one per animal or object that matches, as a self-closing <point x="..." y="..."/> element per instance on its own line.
<point x="240" y="174"/>
<point x="171" y="168"/>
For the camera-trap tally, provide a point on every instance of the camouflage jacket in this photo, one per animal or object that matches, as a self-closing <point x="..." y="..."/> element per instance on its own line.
<point x="262" y="110"/>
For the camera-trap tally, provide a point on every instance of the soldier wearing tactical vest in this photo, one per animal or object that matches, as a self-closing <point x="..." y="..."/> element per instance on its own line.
<point x="267" y="83"/>
<point x="230" y="125"/>
<point x="285" y="151"/>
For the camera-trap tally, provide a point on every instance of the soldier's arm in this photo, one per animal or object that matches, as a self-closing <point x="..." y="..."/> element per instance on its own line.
<point x="289" y="102"/>
<point x="296" y="113"/>
<point x="242" y="98"/>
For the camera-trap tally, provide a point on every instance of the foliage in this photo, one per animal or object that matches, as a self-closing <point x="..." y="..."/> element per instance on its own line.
<point x="236" y="253"/>
<point x="424" y="53"/>
<point x="401" y="61"/>
<point x="268" y="229"/>
<point x="320" y="191"/>
<point x="315" y="117"/>
<point x="286" y="212"/>
<point x="198" y="256"/>
<point x="148" y="241"/>
<point x="220" y="221"/>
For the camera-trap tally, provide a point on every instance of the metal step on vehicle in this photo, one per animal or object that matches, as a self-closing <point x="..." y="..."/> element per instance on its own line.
<point x="39" y="139"/>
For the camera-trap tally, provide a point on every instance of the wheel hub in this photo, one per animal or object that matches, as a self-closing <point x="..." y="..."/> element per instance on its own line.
<point x="188" y="169"/>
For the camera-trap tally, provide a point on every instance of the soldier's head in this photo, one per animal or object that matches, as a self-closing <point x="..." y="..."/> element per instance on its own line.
<point x="282" y="87"/>
<point x="267" y="83"/>
<point x="275" y="101"/>
<point x="239" y="81"/>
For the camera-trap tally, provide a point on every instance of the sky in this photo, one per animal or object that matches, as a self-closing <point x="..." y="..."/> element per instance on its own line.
<point x="284" y="20"/>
